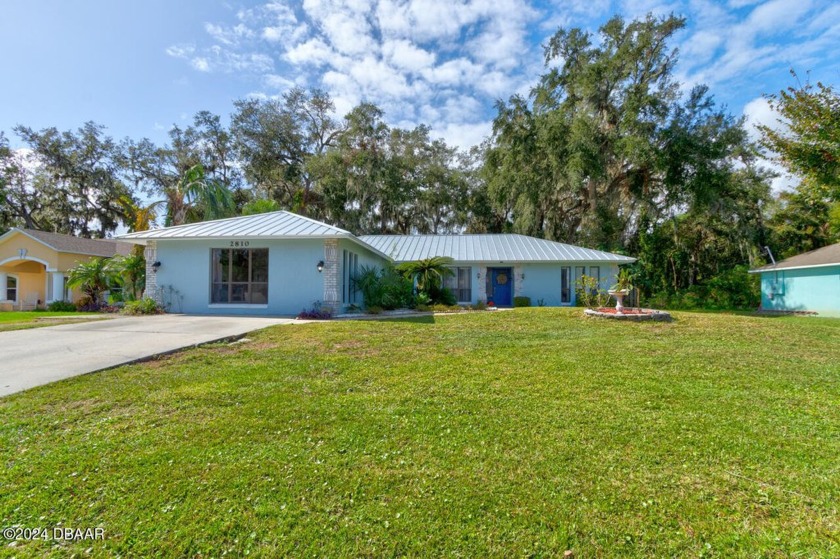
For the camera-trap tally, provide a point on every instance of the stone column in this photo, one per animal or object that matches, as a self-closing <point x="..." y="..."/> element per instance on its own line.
<point x="150" y="254"/>
<point x="57" y="286"/>
<point x="482" y="283"/>
<point x="4" y="285"/>
<point x="331" y="279"/>
<point x="518" y="281"/>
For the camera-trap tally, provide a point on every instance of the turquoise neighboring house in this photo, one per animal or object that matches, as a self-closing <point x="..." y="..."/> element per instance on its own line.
<point x="805" y="282"/>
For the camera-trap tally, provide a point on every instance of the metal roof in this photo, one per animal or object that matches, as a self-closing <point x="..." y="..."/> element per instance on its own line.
<point x="486" y="248"/>
<point x="401" y="248"/>
<point x="272" y="225"/>
<point x="825" y="256"/>
<point x="75" y="245"/>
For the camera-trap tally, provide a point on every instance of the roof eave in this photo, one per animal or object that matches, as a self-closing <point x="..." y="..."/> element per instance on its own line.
<point x="782" y="268"/>
<point x="14" y="230"/>
<point x="128" y="239"/>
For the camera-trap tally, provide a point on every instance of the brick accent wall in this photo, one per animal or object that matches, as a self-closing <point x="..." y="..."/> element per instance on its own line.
<point x="518" y="281"/>
<point x="150" y="253"/>
<point x="331" y="275"/>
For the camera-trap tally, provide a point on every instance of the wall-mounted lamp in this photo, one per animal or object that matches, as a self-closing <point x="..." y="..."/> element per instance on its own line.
<point x="320" y="266"/>
<point x="478" y="275"/>
<point x="22" y="253"/>
<point x="155" y="266"/>
<point x="522" y="276"/>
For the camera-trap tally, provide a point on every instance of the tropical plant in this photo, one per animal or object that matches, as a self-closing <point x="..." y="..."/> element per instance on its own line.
<point x="428" y="273"/>
<point x="92" y="278"/>
<point x="146" y="305"/>
<point x="131" y="272"/>
<point x="624" y="281"/>
<point x="589" y="293"/>
<point x="139" y="217"/>
<point x="199" y="197"/>
<point x="385" y="288"/>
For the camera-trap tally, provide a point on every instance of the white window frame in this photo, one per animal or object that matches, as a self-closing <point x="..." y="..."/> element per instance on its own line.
<point x="240" y="304"/>
<point x="454" y="278"/>
<point x="17" y="288"/>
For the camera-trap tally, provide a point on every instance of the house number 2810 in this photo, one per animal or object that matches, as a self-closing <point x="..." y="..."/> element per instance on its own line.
<point x="238" y="244"/>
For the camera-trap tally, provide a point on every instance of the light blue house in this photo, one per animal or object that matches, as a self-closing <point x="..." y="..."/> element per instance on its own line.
<point x="806" y="282"/>
<point x="279" y="263"/>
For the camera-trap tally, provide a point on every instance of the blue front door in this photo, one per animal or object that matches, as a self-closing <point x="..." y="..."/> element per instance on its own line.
<point x="501" y="287"/>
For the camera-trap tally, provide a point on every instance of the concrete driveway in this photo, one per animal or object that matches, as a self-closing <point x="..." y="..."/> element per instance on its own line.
<point x="30" y="358"/>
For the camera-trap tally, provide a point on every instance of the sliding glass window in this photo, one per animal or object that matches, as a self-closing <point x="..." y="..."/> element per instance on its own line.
<point x="460" y="283"/>
<point x="566" y="285"/>
<point x="239" y="276"/>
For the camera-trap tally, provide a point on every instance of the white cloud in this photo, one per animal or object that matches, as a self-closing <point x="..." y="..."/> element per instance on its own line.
<point x="228" y="35"/>
<point x="180" y="51"/>
<point x="201" y="64"/>
<point x="463" y="135"/>
<point x="406" y="55"/>
<point x="446" y="62"/>
<point x="314" y="51"/>
<point x="758" y="112"/>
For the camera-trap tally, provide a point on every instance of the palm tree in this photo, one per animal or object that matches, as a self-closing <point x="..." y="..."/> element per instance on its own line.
<point x="91" y="277"/>
<point x="427" y="274"/>
<point x="139" y="218"/>
<point x="131" y="270"/>
<point x="197" y="196"/>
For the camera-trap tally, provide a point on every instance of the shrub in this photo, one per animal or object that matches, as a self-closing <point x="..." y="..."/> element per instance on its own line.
<point x="317" y="312"/>
<point x="86" y="304"/>
<point x="479" y="305"/>
<point x="61" y="306"/>
<point x="521" y="301"/>
<point x="422" y="308"/>
<point x="589" y="293"/>
<point x="732" y="289"/>
<point x="146" y="305"/>
<point x="384" y="288"/>
<point x="374" y="310"/>
<point x="440" y="307"/>
<point x="441" y="295"/>
<point x="735" y="289"/>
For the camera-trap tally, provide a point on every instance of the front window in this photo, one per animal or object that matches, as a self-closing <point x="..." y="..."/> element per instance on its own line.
<point x="239" y="276"/>
<point x="350" y="269"/>
<point x="11" y="288"/>
<point x="565" y="285"/>
<point x="595" y="272"/>
<point x="460" y="283"/>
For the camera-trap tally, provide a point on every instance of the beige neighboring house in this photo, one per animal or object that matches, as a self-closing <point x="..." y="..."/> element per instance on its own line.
<point x="34" y="265"/>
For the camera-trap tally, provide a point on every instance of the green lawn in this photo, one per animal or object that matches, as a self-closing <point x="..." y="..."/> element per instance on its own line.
<point x="515" y="434"/>
<point x="19" y="320"/>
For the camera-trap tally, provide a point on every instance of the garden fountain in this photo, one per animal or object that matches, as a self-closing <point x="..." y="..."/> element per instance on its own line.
<point x="619" y="291"/>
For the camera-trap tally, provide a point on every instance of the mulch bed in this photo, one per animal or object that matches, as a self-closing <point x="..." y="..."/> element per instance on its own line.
<point x="625" y="310"/>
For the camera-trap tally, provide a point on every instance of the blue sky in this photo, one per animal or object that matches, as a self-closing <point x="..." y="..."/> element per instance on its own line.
<point x="139" y="67"/>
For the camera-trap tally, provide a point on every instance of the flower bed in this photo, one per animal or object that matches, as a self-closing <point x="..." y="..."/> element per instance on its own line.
<point x="628" y="313"/>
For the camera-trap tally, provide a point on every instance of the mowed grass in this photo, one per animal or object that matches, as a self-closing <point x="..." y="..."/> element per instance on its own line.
<point x="20" y="320"/>
<point x="509" y="434"/>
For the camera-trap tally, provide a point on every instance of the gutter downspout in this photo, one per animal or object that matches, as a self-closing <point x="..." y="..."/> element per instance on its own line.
<point x="775" y="272"/>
